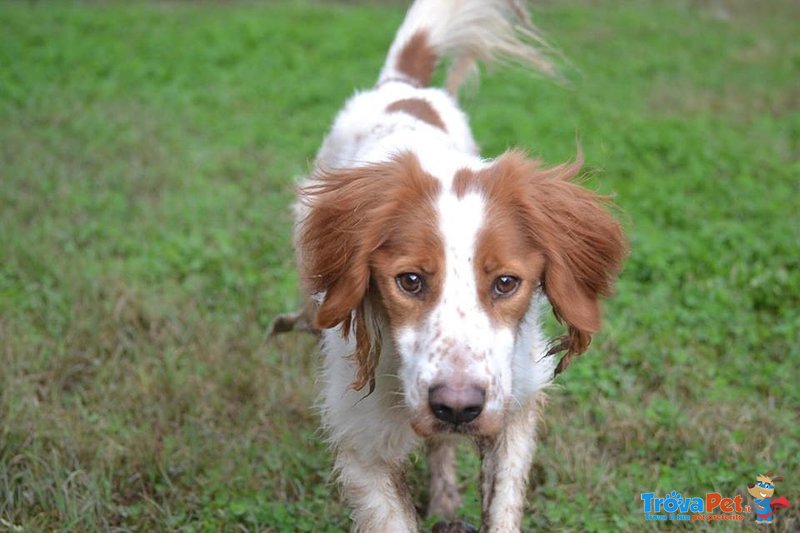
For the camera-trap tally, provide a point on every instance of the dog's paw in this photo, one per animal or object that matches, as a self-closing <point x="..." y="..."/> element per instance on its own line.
<point x="453" y="527"/>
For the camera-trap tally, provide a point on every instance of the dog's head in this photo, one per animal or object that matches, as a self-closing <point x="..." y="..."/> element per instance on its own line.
<point x="451" y="267"/>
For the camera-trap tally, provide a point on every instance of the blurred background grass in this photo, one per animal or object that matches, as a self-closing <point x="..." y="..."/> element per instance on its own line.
<point x="147" y="158"/>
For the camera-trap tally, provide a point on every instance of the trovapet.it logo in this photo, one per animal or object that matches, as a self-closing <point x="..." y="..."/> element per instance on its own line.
<point x="676" y="507"/>
<point x="714" y="507"/>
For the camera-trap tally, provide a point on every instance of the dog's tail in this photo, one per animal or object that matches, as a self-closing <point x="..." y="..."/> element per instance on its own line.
<point x="464" y="31"/>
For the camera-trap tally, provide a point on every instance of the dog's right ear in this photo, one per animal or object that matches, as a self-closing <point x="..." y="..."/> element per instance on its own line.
<point x="338" y="231"/>
<point x="347" y="215"/>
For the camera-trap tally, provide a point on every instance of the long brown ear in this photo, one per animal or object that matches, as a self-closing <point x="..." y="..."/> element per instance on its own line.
<point x="583" y="244"/>
<point x="335" y="239"/>
<point x="348" y="216"/>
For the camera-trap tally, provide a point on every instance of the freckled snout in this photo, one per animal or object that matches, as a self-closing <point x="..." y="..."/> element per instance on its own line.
<point x="456" y="404"/>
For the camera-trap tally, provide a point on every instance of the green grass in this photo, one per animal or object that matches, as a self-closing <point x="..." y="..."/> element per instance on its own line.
<point x="147" y="157"/>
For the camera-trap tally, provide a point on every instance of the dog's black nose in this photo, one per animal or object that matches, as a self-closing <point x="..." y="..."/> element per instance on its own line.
<point x="456" y="405"/>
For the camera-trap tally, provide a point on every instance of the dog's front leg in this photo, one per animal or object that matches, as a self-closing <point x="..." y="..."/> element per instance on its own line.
<point x="445" y="499"/>
<point x="377" y="492"/>
<point x="505" y="464"/>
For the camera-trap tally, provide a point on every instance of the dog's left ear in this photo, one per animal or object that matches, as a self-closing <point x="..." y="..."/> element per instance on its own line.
<point x="583" y="244"/>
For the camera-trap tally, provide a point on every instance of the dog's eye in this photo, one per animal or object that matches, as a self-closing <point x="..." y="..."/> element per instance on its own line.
<point x="410" y="282"/>
<point x="505" y="286"/>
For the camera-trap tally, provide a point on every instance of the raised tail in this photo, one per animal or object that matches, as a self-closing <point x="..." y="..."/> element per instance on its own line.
<point x="464" y="31"/>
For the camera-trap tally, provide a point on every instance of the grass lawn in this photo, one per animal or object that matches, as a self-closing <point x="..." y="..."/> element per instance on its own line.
<point x="147" y="158"/>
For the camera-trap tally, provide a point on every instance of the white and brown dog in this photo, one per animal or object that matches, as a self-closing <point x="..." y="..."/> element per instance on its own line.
<point x="429" y="267"/>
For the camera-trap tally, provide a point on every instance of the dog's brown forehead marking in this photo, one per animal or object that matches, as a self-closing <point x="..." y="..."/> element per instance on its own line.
<point x="464" y="180"/>
<point x="419" y="108"/>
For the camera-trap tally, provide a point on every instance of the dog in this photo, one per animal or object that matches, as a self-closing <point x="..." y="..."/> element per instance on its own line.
<point x="428" y="269"/>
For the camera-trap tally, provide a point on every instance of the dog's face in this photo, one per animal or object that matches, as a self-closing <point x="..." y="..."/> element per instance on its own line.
<point x="454" y="310"/>
<point x="451" y="267"/>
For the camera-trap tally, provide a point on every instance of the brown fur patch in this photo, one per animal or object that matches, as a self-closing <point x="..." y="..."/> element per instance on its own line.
<point x="365" y="226"/>
<point x="463" y="181"/>
<point x="419" y="108"/>
<point x="414" y="245"/>
<point x="544" y="229"/>
<point x="502" y="250"/>
<point x="417" y="59"/>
